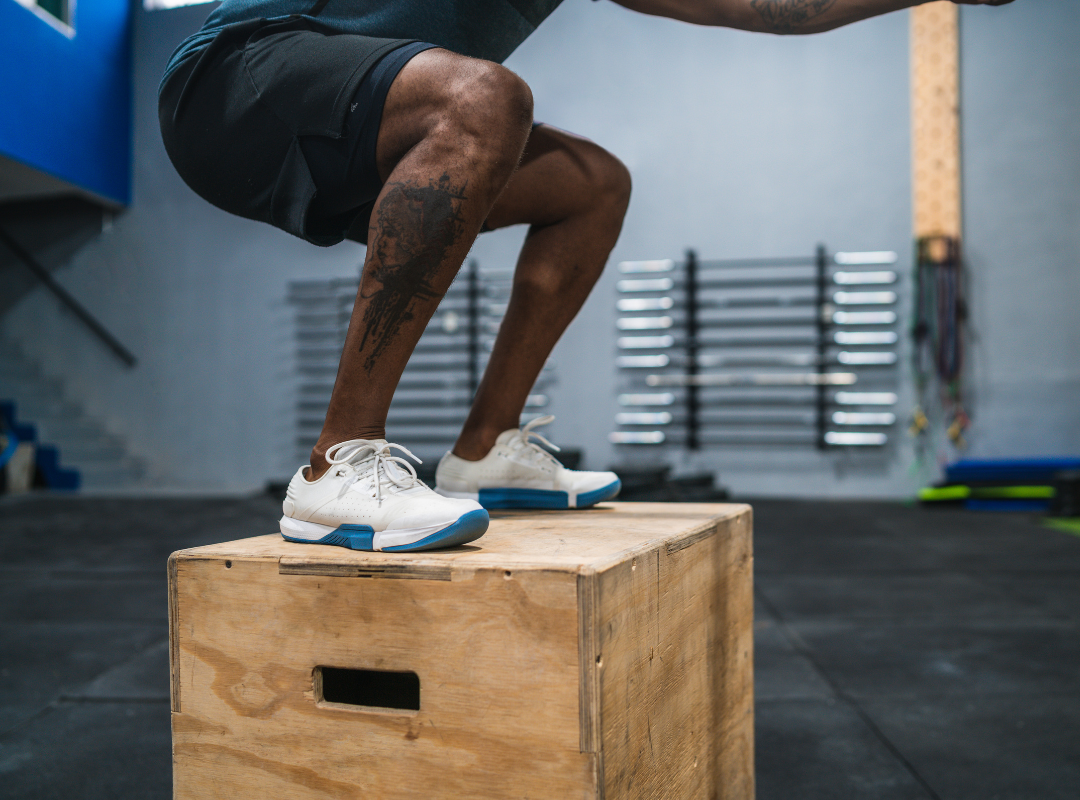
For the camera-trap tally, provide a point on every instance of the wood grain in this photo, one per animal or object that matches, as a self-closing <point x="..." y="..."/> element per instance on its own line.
<point x="597" y="536"/>
<point x="676" y="669"/>
<point x="563" y="655"/>
<point x="935" y="114"/>
<point x="174" y="625"/>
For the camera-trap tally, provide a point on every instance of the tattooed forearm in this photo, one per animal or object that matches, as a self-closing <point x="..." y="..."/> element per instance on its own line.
<point x="789" y="16"/>
<point x="415" y="226"/>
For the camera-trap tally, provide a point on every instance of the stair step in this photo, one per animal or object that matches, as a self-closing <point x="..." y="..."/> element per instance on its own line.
<point x="41" y="407"/>
<point x="12" y="371"/>
<point x="78" y="454"/>
<point x="68" y="438"/>
<point x="114" y="477"/>
<point x="67" y="429"/>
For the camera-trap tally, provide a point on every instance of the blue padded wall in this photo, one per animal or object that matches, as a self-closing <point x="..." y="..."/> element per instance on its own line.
<point x="65" y="103"/>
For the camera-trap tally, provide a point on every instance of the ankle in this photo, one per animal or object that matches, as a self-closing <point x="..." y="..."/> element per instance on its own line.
<point x="474" y="445"/>
<point x="318" y="465"/>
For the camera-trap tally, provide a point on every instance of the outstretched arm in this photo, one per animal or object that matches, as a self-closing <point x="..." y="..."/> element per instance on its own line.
<point x="779" y="16"/>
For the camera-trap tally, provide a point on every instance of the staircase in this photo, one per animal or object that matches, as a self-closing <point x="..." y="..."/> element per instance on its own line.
<point x="64" y="433"/>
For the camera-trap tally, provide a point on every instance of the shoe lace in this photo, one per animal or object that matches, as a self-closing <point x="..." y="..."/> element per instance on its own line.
<point x="528" y="440"/>
<point x="365" y="458"/>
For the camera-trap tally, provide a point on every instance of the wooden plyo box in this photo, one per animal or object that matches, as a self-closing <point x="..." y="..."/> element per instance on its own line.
<point x="604" y="653"/>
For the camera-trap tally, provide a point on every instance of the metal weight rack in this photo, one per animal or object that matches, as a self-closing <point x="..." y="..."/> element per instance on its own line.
<point x="783" y="351"/>
<point x="437" y="387"/>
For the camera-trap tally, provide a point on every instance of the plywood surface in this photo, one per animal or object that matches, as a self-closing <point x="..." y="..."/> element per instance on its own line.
<point x="575" y="539"/>
<point x="935" y="114"/>
<point x="579" y="654"/>
<point x="674" y="662"/>
<point x="496" y="654"/>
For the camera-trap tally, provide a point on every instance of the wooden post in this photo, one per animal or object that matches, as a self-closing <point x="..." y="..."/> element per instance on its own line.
<point x="935" y="113"/>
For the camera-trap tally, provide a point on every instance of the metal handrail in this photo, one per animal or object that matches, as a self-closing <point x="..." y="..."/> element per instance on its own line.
<point x="65" y="297"/>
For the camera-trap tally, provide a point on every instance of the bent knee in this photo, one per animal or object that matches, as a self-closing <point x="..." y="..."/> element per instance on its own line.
<point x="607" y="178"/>
<point x="489" y="103"/>
<point x="615" y="181"/>
<point x="498" y="92"/>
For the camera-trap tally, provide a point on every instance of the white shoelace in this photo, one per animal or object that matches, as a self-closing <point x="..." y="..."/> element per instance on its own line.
<point x="529" y="441"/>
<point x="364" y="457"/>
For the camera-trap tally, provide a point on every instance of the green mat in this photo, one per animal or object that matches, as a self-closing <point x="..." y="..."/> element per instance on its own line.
<point x="1066" y="524"/>
<point x="939" y="494"/>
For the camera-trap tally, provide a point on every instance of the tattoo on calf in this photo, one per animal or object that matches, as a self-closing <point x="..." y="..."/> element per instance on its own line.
<point x="788" y="16"/>
<point x="415" y="226"/>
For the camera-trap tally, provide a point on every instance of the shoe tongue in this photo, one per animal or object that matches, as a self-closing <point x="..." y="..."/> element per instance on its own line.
<point x="507" y="435"/>
<point x="392" y="469"/>
<point x="364" y="455"/>
<point x="397" y="471"/>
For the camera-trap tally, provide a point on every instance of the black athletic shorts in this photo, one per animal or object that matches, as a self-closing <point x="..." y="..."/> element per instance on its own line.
<point x="278" y="121"/>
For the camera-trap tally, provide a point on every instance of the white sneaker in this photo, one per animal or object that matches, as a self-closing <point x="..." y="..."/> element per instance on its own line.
<point x="518" y="473"/>
<point x="371" y="500"/>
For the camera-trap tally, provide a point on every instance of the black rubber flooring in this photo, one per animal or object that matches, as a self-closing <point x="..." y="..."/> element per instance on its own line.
<point x="900" y="652"/>
<point x="912" y="653"/>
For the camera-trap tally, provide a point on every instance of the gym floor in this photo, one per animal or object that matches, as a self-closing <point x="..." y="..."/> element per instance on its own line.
<point x="901" y="652"/>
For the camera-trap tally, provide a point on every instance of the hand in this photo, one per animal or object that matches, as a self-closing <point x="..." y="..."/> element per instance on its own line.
<point x="982" y="2"/>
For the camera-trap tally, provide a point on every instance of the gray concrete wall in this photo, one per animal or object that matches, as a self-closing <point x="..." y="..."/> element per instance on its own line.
<point x="740" y="145"/>
<point x="1021" y="103"/>
<point x="52" y="230"/>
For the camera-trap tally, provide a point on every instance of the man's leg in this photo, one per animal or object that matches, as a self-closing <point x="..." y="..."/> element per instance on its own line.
<point x="452" y="133"/>
<point x="574" y="195"/>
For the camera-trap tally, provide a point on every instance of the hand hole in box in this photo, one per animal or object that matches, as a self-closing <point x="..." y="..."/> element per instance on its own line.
<point x="368" y="688"/>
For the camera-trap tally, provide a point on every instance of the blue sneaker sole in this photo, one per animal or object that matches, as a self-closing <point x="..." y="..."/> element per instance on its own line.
<point x="468" y="528"/>
<point x="544" y="498"/>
